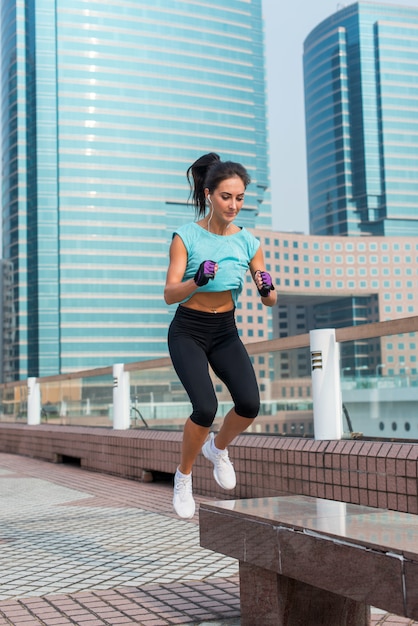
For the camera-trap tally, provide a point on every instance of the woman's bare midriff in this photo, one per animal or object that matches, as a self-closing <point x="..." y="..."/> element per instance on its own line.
<point x="219" y="302"/>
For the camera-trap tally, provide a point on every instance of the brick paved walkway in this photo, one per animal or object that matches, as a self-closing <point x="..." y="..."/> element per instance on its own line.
<point x="90" y="549"/>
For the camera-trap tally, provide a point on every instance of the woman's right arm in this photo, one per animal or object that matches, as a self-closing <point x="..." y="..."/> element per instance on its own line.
<point x="176" y="290"/>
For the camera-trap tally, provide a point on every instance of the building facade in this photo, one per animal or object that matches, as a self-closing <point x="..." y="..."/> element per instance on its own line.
<point x="335" y="282"/>
<point x="104" y="107"/>
<point x="361" y="105"/>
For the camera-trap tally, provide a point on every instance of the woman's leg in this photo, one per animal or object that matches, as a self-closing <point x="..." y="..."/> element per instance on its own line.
<point x="191" y="364"/>
<point x="233" y="366"/>
<point x="233" y="425"/>
<point x="194" y="437"/>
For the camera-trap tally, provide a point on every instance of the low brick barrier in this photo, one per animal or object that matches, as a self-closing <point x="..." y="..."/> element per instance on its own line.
<point x="380" y="474"/>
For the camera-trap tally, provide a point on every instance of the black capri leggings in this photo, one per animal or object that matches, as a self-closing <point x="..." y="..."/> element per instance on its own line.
<point x="196" y="338"/>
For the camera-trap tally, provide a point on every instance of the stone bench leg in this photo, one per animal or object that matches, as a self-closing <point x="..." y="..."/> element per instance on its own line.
<point x="270" y="599"/>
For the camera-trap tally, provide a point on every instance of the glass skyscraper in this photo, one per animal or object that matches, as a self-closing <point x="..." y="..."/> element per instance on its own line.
<point x="104" y="106"/>
<point x="361" y="104"/>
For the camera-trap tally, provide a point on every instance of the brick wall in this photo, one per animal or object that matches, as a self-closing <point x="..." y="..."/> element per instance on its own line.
<point x="382" y="474"/>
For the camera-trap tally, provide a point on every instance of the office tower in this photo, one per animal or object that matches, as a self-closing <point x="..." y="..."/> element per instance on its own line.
<point x="104" y="106"/>
<point x="361" y="104"/>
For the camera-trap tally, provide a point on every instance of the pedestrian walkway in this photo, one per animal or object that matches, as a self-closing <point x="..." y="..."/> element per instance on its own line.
<point x="91" y="549"/>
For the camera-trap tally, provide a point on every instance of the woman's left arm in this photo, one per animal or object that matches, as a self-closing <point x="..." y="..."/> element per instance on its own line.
<point x="257" y="268"/>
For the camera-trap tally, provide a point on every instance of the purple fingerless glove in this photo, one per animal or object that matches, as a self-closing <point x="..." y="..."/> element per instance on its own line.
<point x="205" y="273"/>
<point x="267" y="284"/>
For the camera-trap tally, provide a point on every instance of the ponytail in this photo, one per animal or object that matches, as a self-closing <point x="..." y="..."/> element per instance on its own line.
<point x="196" y="175"/>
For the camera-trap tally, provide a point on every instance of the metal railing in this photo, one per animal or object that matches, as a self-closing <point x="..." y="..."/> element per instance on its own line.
<point x="151" y="395"/>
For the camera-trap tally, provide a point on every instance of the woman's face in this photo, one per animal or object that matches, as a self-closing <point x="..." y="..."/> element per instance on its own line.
<point x="227" y="199"/>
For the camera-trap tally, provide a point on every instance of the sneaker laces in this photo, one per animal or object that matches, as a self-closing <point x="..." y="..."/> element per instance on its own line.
<point x="222" y="457"/>
<point x="183" y="487"/>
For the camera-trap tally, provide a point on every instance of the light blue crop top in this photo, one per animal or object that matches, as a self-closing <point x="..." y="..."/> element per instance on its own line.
<point x="232" y="253"/>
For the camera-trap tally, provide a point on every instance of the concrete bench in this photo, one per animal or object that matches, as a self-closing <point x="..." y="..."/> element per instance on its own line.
<point x="312" y="562"/>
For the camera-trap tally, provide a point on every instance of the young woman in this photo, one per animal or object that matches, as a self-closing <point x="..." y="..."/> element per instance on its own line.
<point x="208" y="262"/>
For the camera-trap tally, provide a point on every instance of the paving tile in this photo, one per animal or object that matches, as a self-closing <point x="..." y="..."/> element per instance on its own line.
<point x="91" y="549"/>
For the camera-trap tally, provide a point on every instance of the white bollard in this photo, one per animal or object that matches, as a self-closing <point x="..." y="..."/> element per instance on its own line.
<point x="121" y="398"/>
<point x="326" y="384"/>
<point x="34" y="402"/>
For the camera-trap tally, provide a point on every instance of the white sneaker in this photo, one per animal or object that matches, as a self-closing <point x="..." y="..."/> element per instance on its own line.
<point x="183" y="502"/>
<point x="223" y="471"/>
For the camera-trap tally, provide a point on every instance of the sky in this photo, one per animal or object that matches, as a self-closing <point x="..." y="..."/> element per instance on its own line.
<point x="286" y="26"/>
